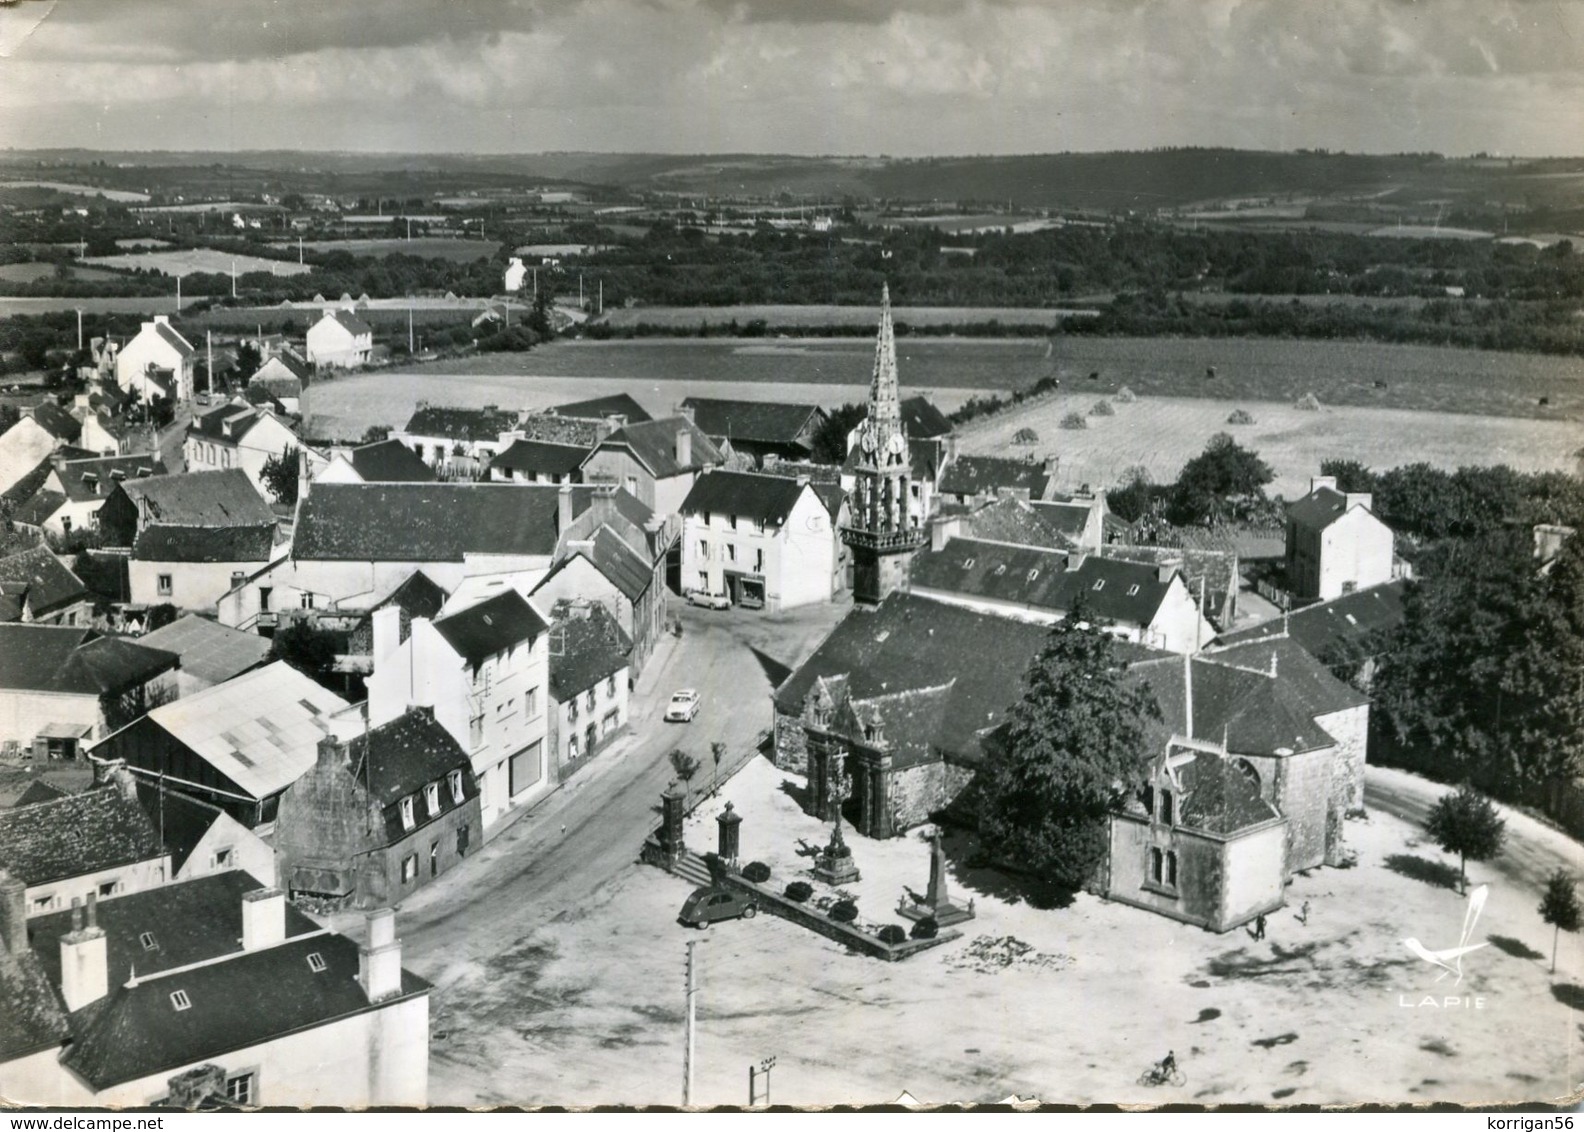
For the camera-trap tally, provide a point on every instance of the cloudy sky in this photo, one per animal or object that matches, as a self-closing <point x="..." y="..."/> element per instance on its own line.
<point x="911" y="77"/>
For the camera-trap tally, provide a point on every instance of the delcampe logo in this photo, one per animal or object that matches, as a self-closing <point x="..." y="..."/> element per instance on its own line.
<point x="1450" y="959"/>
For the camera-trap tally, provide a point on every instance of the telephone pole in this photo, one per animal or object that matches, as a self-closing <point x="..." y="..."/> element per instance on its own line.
<point x="687" y="1052"/>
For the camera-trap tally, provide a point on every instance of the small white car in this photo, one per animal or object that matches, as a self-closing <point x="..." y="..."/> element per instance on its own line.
<point x="708" y="600"/>
<point x="683" y="707"/>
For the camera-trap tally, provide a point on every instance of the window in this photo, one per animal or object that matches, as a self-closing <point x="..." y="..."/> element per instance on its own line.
<point x="432" y="799"/>
<point x="264" y="598"/>
<point x="572" y="746"/>
<point x="1167" y="808"/>
<point x="1133" y="590"/>
<point x="531" y="703"/>
<point x="526" y="768"/>
<point x="1156" y="870"/>
<point x="163" y="582"/>
<point x="609" y="724"/>
<point x="731" y="521"/>
<point x="307" y="601"/>
<point x="148" y="941"/>
<point x="316" y="962"/>
<point x="610" y="685"/>
<point x="44" y="903"/>
<point x="572" y="710"/>
<point x="180" y="1000"/>
<point x="703" y="580"/>
<point x="462" y="840"/>
<point x="731" y="552"/>
<point x="476" y="729"/>
<point x="759" y="561"/>
<point x="407" y="813"/>
<point x="109" y="888"/>
<point x="1171" y="868"/>
<point x="66" y="523"/>
<point x="455" y="778"/>
<point x="1099" y="585"/>
<point x="434" y="858"/>
<point x="1032" y="574"/>
<point x="239" y="1089"/>
<point x="1000" y="569"/>
<point x="236" y="578"/>
<point x="221" y="859"/>
<point x="590" y="700"/>
<point x="704" y="548"/>
<point x="409" y="867"/>
<point x="968" y="563"/>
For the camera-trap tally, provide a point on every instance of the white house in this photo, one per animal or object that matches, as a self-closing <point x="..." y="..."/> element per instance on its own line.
<point x="515" y="274"/>
<point x="656" y="462"/>
<point x="761" y="540"/>
<point x="238" y="435"/>
<point x="340" y="340"/>
<point x="23" y="447"/>
<point x="202" y="839"/>
<point x="1335" y="544"/>
<point x="157" y="362"/>
<point x="485" y="672"/>
<point x="283" y="376"/>
<point x="72" y="493"/>
<point x="233" y="994"/>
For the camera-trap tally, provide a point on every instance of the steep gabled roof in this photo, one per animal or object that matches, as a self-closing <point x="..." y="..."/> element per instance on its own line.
<point x="423" y="522"/>
<point x="31" y="1018"/>
<point x="587" y="646"/>
<point x="76" y="835"/>
<point x="1015" y="521"/>
<point x="491" y="626"/>
<point x="1319" y="509"/>
<point x="775" y="422"/>
<point x="75" y="661"/>
<point x="1318" y="628"/>
<point x="86" y="480"/>
<point x="227" y="424"/>
<point x="1219" y="798"/>
<point x="923" y="421"/>
<point x="538" y="456"/>
<point x="390" y="461"/>
<point x="653" y="444"/>
<point x="599" y="408"/>
<point x="399" y="758"/>
<point x="984" y="475"/>
<point x="768" y="499"/>
<point x="37" y="510"/>
<point x="165" y="543"/>
<point x="168" y="334"/>
<point x="613" y="557"/>
<point x="41" y="581"/>
<point x="57" y="421"/>
<point x="200" y="499"/>
<point x="353" y="324"/>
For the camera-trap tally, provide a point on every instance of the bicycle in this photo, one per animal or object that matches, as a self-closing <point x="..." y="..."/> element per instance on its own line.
<point x="1155" y="1075"/>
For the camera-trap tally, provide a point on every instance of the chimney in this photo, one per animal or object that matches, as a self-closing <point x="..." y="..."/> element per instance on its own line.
<point x="684" y="447"/>
<point x="379" y="960"/>
<point x="13" y="913"/>
<point x="85" y="961"/>
<point x="564" y="509"/>
<point x="943" y="530"/>
<point x="1075" y="562"/>
<point x="159" y="318"/>
<point x="332" y="753"/>
<point x="1362" y="499"/>
<point x="387" y="632"/>
<point x="264" y="914"/>
<point x="685" y="411"/>
<point x="1164" y="572"/>
<point x="604" y="504"/>
<point x="1317" y="482"/>
<point x="1188" y="694"/>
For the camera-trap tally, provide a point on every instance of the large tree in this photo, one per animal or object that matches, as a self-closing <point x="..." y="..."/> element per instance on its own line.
<point x="1219" y="483"/>
<point x="280" y="476"/>
<point x="1071" y="749"/>
<point x="830" y="439"/>
<point x="1466" y="823"/>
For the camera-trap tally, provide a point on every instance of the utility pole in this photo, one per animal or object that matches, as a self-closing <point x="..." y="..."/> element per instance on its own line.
<point x="763" y="1071"/>
<point x="687" y="1053"/>
<point x="79" y="328"/>
<point x="178" y="294"/>
<point x="209" y="364"/>
<point x="409" y="327"/>
<point x="299" y="249"/>
<point x="233" y="278"/>
<point x="602" y="296"/>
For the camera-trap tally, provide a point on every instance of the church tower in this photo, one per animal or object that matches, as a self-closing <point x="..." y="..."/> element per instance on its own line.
<point x="883" y="533"/>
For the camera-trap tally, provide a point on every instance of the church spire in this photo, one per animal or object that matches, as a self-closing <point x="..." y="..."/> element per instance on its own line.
<point x="884" y="407"/>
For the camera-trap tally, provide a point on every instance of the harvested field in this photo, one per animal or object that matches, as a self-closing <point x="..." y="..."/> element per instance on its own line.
<point x="1162" y="433"/>
<point x="33" y="272"/>
<point x="190" y="260"/>
<point x="452" y="248"/>
<point x="150" y="304"/>
<point x="776" y="315"/>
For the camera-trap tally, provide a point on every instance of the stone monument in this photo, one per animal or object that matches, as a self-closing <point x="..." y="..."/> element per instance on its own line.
<point x="937" y="903"/>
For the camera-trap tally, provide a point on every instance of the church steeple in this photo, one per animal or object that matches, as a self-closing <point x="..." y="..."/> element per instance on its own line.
<point x="885" y="528"/>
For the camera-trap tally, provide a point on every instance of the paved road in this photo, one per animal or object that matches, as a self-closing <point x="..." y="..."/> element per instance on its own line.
<point x="552" y="859"/>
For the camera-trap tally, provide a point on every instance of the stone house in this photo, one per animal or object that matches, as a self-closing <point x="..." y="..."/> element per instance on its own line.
<point x="1335" y="544"/>
<point x="74" y="491"/>
<point x="656" y="462"/>
<point x="238" y="435"/>
<point x="590" y="678"/>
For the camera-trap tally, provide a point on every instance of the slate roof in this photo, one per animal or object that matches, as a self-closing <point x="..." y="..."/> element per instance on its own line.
<point x="1128" y="592"/>
<point x="1319" y="509"/>
<point x="417" y="594"/>
<point x="261" y="730"/>
<point x="40" y="579"/>
<point x="1015" y="521"/>
<point x="585" y="649"/>
<point x="653" y="444"/>
<point x="1069" y="518"/>
<point x="1318" y="627"/>
<point x="164" y="543"/>
<point x="249" y="999"/>
<point x="921" y="420"/>
<point x="79" y="477"/>
<point x="200" y="499"/>
<point x="410" y="522"/>
<point x="491" y="626"/>
<point x="192" y="921"/>
<point x="31" y="1018"/>
<point x="180" y="821"/>
<point x="37" y="510"/>
<point x="72" y="836"/>
<point x="390" y="461"/>
<point x="165" y="331"/>
<point x="613" y="557"/>
<point x="1219" y="798"/>
<point x="984" y="475"/>
<point x="350" y="321"/>
<point x="209" y="651"/>
<point x="767" y="421"/>
<point x="598" y="408"/>
<point x="283" y="375"/>
<point x="57" y="421"/>
<point x="27" y="485"/>
<point x="454" y="423"/>
<point x="911" y="643"/>
<point x="538" y="456"/>
<point x="580" y="432"/>
<point x="212" y="425"/>
<point x="74" y="661"/>
<point x="399" y="758"/>
<point x="768" y="499"/>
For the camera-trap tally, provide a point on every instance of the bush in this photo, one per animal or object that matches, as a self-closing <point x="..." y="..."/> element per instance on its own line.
<point x="1074" y="420"/>
<point x="1240" y="416"/>
<point x="926" y="928"/>
<point x="1025" y="436"/>
<point x="756" y="871"/>
<point x="843" y="911"/>
<point x="1102" y="409"/>
<point x="799" y="890"/>
<point x="1126" y="395"/>
<point x="892" y="934"/>
<point x="1308" y="402"/>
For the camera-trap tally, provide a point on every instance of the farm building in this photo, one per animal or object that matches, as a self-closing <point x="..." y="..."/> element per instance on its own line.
<point x="210" y="652"/>
<point x="757" y="429"/>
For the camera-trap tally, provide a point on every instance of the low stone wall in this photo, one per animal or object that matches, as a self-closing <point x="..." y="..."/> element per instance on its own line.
<point x="804" y="916"/>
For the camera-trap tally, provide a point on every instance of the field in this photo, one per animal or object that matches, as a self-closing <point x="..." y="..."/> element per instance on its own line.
<point x="1161" y="433"/>
<point x="791" y="315"/>
<point x="32" y="272"/>
<point x="151" y="304"/>
<point x="452" y="248"/>
<point x="1338" y="373"/>
<point x="117" y="195"/>
<point x="190" y="260"/>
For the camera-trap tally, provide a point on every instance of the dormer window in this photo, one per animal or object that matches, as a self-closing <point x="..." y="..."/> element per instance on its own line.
<point x="1033" y="574"/>
<point x="1000" y="569"/>
<point x="407" y="819"/>
<point x="455" y="781"/>
<point x="1099" y="585"/>
<point x="1133" y="590"/>
<point x="432" y="798"/>
<point x="180" y="1000"/>
<point x="148" y="941"/>
<point x="316" y="962"/>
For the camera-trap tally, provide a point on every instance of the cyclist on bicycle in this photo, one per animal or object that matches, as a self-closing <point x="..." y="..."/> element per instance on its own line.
<point x="1168" y="1065"/>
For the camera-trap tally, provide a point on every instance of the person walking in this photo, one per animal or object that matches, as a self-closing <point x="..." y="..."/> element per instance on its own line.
<point x="1259" y="926"/>
<point x="1305" y="916"/>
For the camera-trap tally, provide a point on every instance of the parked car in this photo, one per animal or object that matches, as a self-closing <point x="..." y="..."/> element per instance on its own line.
<point x="683" y="707"/>
<point x="708" y="600"/>
<point x="709" y="904"/>
<point x="750" y="600"/>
